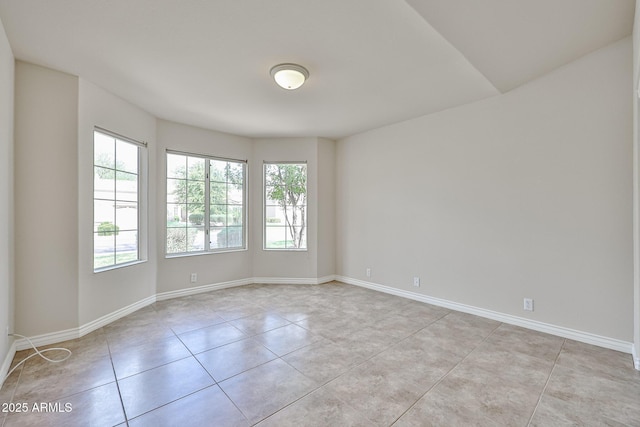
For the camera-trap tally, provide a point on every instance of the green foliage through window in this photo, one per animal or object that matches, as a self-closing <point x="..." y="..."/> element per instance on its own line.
<point x="285" y="205"/>
<point x="205" y="204"/>
<point x="108" y="229"/>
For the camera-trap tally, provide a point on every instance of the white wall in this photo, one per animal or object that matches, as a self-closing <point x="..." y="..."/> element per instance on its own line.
<point x="274" y="263"/>
<point x="528" y="194"/>
<point x="6" y="193"/>
<point x="46" y="200"/>
<point x="326" y="208"/>
<point x="636" y="182"/>
<point x="56" y="286"/>
<point x="107" y="291"/>
<point x="174" y="273"/>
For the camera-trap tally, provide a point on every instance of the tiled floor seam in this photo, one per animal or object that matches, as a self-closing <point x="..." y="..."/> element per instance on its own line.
<point x="303" y="396"/>
<point x="254" y="367"/>
<point x="555" y="363"/>
<point x="365" y="361"/>
<point x="328" y="381"/>
<point x="352" y="368"/>
<point x="115" y="376"/>
<point x="234" y="403"/>
<point x="215" y="382"/>
<point x="538" y="407"/>
<point x="169" y="403"/>
<point x="442" y="378"/>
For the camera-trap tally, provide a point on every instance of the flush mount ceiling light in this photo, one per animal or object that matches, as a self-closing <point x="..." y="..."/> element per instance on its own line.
<point x="289" y="76"/>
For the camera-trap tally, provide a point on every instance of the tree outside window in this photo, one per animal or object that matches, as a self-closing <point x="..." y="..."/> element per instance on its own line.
<point x="285" y="205"/>
<point x="205" y="204"/>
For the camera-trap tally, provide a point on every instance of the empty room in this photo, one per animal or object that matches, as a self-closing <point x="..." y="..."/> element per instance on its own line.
<point x="319" y="213"/>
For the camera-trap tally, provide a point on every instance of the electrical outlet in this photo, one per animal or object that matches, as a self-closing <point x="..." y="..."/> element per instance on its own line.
<point x="368" y="272"/>
<point x="528" y="304"/>
<point x="7" y="332"/>
<point x="416" y="282"/>
<point x="194" y="277"/>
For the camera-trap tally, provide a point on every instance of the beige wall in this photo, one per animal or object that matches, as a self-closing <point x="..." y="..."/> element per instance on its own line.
<point x="46" y="200"/>
<point x="107" y="291"/>
<point x="636" y="182"/>
<point x="284" y="264"/>
<point x="524" y="195"/>
<point x="174" y="273"/>
<point x="326" y="208"/>
<point x="57" y="289"/>
<point x="528" y="194"/>
<point x="6" y="193"/>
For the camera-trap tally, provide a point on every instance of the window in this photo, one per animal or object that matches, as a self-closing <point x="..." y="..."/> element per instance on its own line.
<point x="285" y="208"/>
<point x="116" y="200"/>
<point x="205" y="204"/>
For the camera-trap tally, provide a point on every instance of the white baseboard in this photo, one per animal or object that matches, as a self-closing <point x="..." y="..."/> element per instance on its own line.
<point x="636" y="357"/>
<point x="46" y="339"/>
<point x="233" y="283"/>
<point x="70" y="334"/>
<point x="55" y="337"/>
<point x="115" y="315"/>
<point x="585" y="337"/>
<point x="292" y="280"/>
<point x="6" y="364"/>
<point x="200" y="289"/>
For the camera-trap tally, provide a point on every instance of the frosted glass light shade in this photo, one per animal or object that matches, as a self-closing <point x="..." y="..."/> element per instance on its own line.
<point x="289" y="76"/>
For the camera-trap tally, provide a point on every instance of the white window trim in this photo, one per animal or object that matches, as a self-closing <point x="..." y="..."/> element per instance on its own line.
<point x="264" y="207"/>
<point x="245" y="225"/>
<point x="143" y="200"/>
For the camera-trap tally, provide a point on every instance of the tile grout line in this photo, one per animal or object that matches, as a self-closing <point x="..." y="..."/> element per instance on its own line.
<point x="215" y="383"/>
<point x="321" y="385"/>
<point x="115" y="376"/>
<point x="262" y="364"/>
<point x="555" y="363"/>
<point x="441" y="379"/>
<point x="374" y="353"/>
<point x="349" y="369"/>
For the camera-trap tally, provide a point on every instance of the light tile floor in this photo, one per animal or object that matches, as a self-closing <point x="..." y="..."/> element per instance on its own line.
<point x="326" y="355"/>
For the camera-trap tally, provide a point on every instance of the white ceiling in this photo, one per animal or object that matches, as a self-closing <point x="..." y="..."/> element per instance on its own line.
<point x="514" y="41"/>
<point x="372" y="62"/>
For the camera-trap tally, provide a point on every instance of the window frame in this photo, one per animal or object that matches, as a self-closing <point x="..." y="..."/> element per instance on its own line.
<point x="141" y="202"/>
<point x="207" y="226"/>
<point x="264" y="206"/>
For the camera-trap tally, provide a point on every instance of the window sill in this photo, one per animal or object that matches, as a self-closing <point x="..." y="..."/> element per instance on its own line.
<point x="189" y="254"/>
<point x="118" y="266"/>
<point x="284" y="250"/>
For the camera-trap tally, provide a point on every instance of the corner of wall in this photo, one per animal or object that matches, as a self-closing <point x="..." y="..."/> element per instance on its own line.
<point x="46" y="109"/>
<point x="636" y="185"/>
<point x="7" y="221"/>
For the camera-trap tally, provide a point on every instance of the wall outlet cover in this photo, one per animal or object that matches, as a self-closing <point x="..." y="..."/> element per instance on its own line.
<point x="528" y="304"/>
